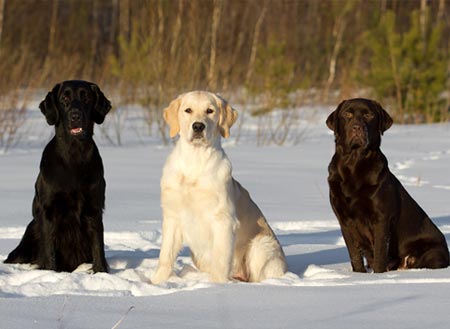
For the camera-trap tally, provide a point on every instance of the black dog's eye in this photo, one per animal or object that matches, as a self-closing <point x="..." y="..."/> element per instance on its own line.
<point x="369" y="115"/>
<point x="84" y="97"/>
<point x="188" y="110"/>
<point x="209" y="111"/>
<point x="65" y="99"/>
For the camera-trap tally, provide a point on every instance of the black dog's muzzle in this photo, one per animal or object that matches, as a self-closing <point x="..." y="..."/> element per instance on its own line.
<point x="76" y="118"/>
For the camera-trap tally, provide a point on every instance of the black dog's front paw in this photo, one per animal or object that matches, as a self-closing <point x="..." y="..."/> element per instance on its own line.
<point x="102" y="267"/>
<point x="48" y="263"/>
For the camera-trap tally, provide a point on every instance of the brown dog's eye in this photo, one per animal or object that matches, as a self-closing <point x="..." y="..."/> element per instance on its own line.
<point x="188" y="110"/>
<point x="369" y="115"/>
<point x="348" y="115"/>
<point x="209" y="111"/>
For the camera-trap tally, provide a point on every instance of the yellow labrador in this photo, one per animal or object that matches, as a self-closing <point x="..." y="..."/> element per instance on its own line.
<point x="204" y="207"/>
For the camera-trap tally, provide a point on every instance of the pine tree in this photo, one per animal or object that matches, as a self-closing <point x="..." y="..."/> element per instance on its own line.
<point x="408" y="67"/>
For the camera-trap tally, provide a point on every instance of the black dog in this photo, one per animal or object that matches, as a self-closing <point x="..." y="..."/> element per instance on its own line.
<point x="379" y="220"/>
<point x="67" y="227"/>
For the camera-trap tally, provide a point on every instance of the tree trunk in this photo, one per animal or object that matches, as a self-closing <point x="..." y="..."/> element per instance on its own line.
<point x="396" y="78"/>
<point x="95" y="38"/>
<point x="124" y="19"/>
<point x="338" y="32"/>
<point x="113" y="32"/>
<point x="2" y="8"/>
<point x="256" y="32"/>
<point x="51" y="45"/>
<point x="441" y="11"/>
<point x="383" y="7"/>
<point x="423" y="20"/>
<point x="212" y="77"/>
<point x="160" y="45"/>
<point x="177" y="28"/>
<point x="51" y="49"/>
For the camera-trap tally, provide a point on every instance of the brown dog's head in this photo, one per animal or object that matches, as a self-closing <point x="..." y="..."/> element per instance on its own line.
<point x="73" y="106"/>
<point x="359" y="123"/>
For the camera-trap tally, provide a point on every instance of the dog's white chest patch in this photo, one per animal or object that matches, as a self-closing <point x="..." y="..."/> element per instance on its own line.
<point x="196" y="201"/>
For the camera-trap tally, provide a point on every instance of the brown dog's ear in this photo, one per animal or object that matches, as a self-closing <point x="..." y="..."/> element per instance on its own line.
<point x="101" y="105"/>
<point x="385" y="120"/>
<point x="333" y="117"/>
<point x="171" y="116"/>
<point x="227" y="116"/>
<point x="49" y="106"/>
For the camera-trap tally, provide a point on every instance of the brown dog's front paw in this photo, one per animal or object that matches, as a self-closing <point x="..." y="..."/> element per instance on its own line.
<point x="358" y="266"/>
<point x="360" y="269"/>
<point x="380" y="269"/>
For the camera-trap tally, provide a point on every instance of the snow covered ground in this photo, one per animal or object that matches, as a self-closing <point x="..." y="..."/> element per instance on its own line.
<point x="288" y="183"/>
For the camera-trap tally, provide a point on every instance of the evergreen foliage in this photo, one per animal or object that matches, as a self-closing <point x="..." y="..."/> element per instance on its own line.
<point x="410" y="67"/>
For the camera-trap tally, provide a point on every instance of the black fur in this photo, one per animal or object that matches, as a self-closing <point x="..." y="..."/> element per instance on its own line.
<point x="379" y="220"/>
<point x="67" y="227"/>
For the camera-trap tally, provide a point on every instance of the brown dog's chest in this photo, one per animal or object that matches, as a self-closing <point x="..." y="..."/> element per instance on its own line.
<point x="355" y="191"/>
<point x="357" y="213"/>
<point x="358" y="203"/>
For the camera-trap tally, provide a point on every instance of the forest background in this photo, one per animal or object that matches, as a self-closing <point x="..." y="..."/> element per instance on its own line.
<point x="262" y="54"/>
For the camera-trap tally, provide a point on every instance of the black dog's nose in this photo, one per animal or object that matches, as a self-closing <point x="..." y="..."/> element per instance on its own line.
<point x="198" y="127"/>
<point x="75" y="116"/>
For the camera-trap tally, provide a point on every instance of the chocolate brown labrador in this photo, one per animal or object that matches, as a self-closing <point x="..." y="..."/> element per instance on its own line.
<point x="379" y="220"/>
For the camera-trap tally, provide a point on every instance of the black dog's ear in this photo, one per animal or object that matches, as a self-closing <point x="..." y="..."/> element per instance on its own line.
<point x="101" y="105"/>
<point x="385" y="120"/>
<point x="49" y="106"/>
<point x="333" y="117"/>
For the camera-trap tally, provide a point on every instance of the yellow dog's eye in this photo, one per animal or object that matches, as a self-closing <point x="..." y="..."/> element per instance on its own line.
<point x="188" y="110"/>
<point x="209" y="111"/>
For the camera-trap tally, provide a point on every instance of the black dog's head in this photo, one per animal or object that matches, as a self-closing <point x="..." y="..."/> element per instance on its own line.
<point x="73" y="106"/>
<point x="359" y="123"/>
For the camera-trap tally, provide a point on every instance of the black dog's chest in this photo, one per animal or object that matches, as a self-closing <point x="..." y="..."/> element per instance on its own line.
<point x="68" y="202"/>
<point x="70" y="197"/>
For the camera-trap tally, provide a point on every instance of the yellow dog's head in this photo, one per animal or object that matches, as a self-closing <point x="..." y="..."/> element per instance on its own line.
<point x="199" y="117"/>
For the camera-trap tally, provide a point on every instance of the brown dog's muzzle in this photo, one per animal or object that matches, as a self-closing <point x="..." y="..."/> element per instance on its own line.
<point x="358" y="135"/>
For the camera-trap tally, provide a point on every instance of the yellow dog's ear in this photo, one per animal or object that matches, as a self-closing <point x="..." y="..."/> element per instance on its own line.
<point x="227" y="116"/>
<point x="171" y="116"/>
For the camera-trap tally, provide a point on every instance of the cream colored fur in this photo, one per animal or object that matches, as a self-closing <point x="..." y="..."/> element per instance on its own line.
<point x="204" y="207"/>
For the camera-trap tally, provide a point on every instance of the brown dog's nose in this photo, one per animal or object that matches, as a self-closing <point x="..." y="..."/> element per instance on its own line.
<point x="198" y="127"/>
<point x="356" y="127"/>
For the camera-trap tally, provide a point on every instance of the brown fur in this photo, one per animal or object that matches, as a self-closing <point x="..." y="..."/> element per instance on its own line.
<point x="378" y="218"/>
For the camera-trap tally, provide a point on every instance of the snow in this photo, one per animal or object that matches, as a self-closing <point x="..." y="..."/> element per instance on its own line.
<point x="289" y="185"/>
